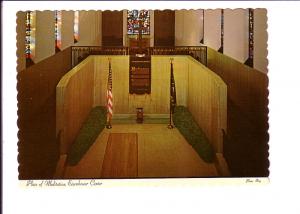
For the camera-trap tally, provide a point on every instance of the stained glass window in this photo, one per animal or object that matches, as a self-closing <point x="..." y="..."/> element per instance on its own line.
<point x="30" y="37"/>
<point x="57" y="31"/>
<point x="249" y="61"/>
<point x="222" y="31"/>
<point x="76" y="26"/>
<point x="135" y="18"/>
<point x="251" y="36"/>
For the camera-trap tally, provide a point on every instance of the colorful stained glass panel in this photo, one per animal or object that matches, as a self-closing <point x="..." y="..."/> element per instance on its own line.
<point x="30" y="35"/>
<point x="138" y="20"/>
<point x="76" y="26"/>
<point x="58" y="30"/>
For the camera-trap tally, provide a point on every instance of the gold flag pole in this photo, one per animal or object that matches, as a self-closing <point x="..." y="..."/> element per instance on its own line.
<point x="170" y="126"/>
<point x="109" y="96"/>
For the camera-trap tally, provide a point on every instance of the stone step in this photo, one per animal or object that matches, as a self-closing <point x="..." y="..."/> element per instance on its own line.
<point x="147" y="119"/>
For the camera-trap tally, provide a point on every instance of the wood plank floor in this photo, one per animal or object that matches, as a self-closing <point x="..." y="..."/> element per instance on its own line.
<point x="161" y="153"/>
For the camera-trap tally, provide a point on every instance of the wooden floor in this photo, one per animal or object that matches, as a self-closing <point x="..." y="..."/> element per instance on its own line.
<point x="157" y="151"/>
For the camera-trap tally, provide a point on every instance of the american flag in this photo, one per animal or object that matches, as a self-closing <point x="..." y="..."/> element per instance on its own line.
<point x="172" y="90"/>
<point x="109" y="95"/>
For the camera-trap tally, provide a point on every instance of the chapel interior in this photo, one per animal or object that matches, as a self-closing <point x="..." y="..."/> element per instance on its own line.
<point x="142" y="94"/>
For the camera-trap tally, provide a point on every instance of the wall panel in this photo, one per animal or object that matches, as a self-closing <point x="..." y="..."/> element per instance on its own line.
<point x="44" y="35"/>
<point x="212" y="28"/>
<point x="188" y="27"/>
<point x="207" y="101"/>
<point x="21" y="34"/>
<point x="38" y="146"/>
<point x="120" y="81"/>
<point x="247" y="87"/>
<point x="89" y="28"/>
<point x="260" y="40"/>
<point x="112" y="28"/>
<point x="37" y="83"/>
<point x="74" y="100"/>
<point x="67" y="29"/>
<point x="236" y="29"/>
<point x="155" y="103"/>
<point x="247" y="131"/>
<point x="164" y="34"/>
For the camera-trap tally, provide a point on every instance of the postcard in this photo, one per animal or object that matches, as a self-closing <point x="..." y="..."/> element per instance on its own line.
<point x="126" y="96"/>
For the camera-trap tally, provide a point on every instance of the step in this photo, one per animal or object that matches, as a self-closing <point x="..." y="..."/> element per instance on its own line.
<point x="148" y="119"/>
<point x="145" y="121"/>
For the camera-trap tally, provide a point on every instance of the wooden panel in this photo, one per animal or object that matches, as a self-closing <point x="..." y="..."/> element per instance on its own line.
<point x="247" y="131"/>
<point x="158" y="101"/>
<point x="247" y="87"/>
<point x="120" y="81"/>
<point x="21" y="34"/>
<point x="44" y="35"/>
<point x="145" y="42"/>
<point x="212" y="28"/>
<point x="90" y="27"/>
<point x="161" y="80"/>
<point x="74" y="100"/>
<point x="207" y="101"/>
<point x="112" y="28"/>
<point x="155" y="103"/>
<point x="164" y="29"/>
<point x="121" y="156"/>
<point x="38" y="149"/>
<point x="37" y="83"/>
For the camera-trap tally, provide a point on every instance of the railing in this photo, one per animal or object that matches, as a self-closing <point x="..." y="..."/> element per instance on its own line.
<point x="79" y="53"/>
<point x="198" y="52"/>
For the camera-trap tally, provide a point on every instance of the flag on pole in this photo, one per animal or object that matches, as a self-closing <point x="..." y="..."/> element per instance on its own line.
<point x="109" y="95"/>
<point x="172" y="90"/>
